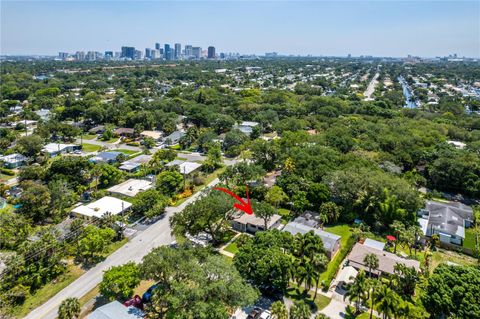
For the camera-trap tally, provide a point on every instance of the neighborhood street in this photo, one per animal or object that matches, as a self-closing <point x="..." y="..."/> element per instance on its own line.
<point x="156" y="235"/>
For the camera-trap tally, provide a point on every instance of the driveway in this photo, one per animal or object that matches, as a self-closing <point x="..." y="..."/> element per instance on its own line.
<point x="335" y="309"/>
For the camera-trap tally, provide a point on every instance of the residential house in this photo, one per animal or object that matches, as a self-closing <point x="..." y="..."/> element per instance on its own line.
<point x="97" y="129"/>
<point x="331" y="242"/>
<point x="246" y="127"/>
<point x="124" y="132"/>
<point x="105" y="205"/>
<point x="130" y="187"/>
<point x="13" y="160"/>
<point x="174" y="138"/>
<point x="54" y="149"/>
<point x="115" y="310"/>
<point x="156" y="135"/>
<point x="447" y="220"/>
<point x="44" y="114"/>
<point x="185" y="167"/>
<point x="106" y="157"/>
<point x="386" y="260"/>
<point x="133" y="164"/>
<point x="249" y="223"/>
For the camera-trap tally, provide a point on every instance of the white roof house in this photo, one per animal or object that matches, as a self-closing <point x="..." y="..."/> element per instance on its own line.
<point x="374" y="244"/>
<point x="184" y="167"/>
<point x="13" y="159"/>
<point x="56" y="148"/>
<point x="188" y="167"/>
<point x="115" y="310"/>
<point x="130" y="187"/>
<point x="102" y="206"/>
<point x="134" y="163"/>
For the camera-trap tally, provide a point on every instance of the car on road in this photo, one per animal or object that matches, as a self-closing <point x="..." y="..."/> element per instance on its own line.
<point x="255" y="313"/>
<point x="266" y="315"/>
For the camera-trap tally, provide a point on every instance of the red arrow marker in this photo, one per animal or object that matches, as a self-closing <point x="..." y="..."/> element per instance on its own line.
<point x="246" y="207"/>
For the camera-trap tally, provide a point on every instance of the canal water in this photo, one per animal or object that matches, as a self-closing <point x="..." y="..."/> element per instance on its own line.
<point x="407" y="93"/>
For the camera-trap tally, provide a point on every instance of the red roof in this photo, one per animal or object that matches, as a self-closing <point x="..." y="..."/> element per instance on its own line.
<point x="391" y="238"/>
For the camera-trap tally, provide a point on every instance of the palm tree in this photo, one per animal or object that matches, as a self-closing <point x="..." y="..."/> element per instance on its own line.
<point x="323" y="219"/>
<point x="371" y="261"/>
<point x="69" y="309"/>
<point x="279" y="311"/>
<point x="356" y="291"/>
<point x="319" y="263"/>
<point x="300" y="310"/>
<point x="372" y="284"/>
<point x="387" y="301"/>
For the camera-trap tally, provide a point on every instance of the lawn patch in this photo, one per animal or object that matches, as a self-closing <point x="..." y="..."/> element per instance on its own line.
<point x="232" y="248"/>
<point x="88" y="148"/>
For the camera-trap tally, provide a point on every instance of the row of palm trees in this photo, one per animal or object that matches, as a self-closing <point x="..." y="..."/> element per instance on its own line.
<point x="309" y="261"/>
<point x="378" y="293"/>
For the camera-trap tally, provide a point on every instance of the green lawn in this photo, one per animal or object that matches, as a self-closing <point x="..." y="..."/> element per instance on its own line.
<point x="89" y="136"/>
<point x="470" y="240"/>
<point x="296" y="293"/>
<point x="111" y="140"/>
<point x="232" y="248"/>
<point x="49" y="290"/>
<point x="127" y="152"/>
<point x="286" y="215"/>
<point x="90" y="147"/>
<point x="346" y="243"/>
<point x="4" y="177"/>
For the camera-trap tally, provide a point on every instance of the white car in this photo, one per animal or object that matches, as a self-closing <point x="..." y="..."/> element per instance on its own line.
<point x="266" y="315"/>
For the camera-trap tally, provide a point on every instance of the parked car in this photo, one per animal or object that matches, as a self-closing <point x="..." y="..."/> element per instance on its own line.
<point x="255" y="313"/>
<point x="266" y="315"/>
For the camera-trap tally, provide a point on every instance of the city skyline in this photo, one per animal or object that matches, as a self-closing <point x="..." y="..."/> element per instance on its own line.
<point x="422" y="28"/>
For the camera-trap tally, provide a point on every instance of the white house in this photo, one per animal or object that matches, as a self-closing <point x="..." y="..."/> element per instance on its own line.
<point x="105" y="205"/>
<point x="447" y="220"/>
<point x="53" y="149"/>
<point x="130" y="187"/>
<point x="13" y="160"/>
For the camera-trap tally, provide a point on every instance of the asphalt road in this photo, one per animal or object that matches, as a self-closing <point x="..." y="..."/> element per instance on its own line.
<point x="156" y="235"/>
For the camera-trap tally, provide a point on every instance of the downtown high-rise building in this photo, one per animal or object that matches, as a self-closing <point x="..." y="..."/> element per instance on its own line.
<point x="148" y="53"/>
<point x="128" y="53"/>
<point x="157" y="46"/>
<point x="155" y="54"/>
<point x="211" y="52"/>
<point x="188" y="50"/>
<point x="63" y="55"/>
<point x="178" y="50"/>
<point x="197" y="52"/>
<point x="79" y="55"/>
<point x="167" y="52"/>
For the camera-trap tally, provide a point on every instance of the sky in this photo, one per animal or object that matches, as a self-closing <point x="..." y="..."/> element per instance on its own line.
<point x="380" y="28"/>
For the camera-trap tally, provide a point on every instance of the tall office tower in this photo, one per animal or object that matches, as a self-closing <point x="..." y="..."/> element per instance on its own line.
<point x="63" y="55"/>
<point x="155" y="54"/>
<point x="161" y="52"/>
<point x="222" y="55"/>
<point x="148" y="53"/>
<point x="80" y="56"/>
<point x="108" y="54"/>
<point x="211" y="52"/>
<point x="167" y="54"/>
<point x="128" y="53"/>
<point x="91" y="56"/>
<point x="138" y="55"/>
<point x="188" y="50"/>
<point x="178" y="50"/>
<point x="157" y="46"/>
<point x="197" y="52"/>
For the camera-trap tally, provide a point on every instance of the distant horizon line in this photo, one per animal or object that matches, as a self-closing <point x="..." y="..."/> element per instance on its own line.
<point x="279" y="55"/>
